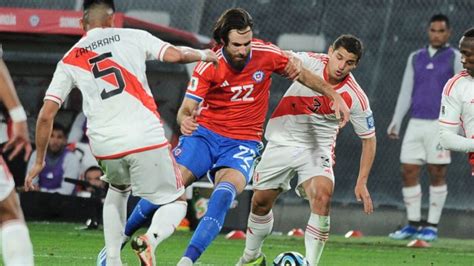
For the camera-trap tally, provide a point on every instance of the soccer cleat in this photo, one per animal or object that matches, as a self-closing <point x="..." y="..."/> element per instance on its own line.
<point x="428" y="233"/>
<point x="144" y="250"/>
<point x="408" y="231"/>
<point x="102" y="257"/>
<point x="259" y="261"/>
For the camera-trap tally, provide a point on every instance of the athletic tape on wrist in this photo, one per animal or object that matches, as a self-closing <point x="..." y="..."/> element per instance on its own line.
<point x="17" y="114"/>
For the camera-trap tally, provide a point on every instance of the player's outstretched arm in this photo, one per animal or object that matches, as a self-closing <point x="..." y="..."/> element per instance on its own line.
<point x="187" y="116"/>
<point x="44" y="127"/>
<point x="183" y="55"/>
<point x="20" y="139"/>
<point x="317" y="84"/>
<point x="366" y="160"/>
<point x="450" y="140"/>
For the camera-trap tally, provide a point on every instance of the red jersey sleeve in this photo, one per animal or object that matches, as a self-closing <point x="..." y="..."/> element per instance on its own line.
<point x="280" y="60"/>
<point x="200" y="82"/>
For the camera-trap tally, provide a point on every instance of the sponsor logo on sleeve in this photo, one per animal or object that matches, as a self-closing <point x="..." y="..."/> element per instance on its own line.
<point x="193" y="83"/>
<point x="370" y="122"/>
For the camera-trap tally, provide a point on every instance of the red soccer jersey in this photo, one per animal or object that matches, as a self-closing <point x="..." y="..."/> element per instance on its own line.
<point x="234" y="103"/>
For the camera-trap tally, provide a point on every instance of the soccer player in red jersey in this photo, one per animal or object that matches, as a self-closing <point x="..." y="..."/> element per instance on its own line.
<point x="223" y="113"/>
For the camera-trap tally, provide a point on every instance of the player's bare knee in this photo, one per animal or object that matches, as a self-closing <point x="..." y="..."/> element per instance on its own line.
<point x="322" y="199"/>
<point x="437" y="174"/>
<point x="410" y="174"/>
<point x="261" y="203"/>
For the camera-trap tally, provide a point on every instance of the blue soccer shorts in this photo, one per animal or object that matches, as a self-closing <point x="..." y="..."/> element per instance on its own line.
<point x="206" y="152"/>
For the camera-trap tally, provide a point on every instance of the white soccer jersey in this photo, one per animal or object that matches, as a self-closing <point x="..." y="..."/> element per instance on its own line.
<point x="304" y="117"/>
<point x="108" y="67"/>
<point x="457" y="104"/>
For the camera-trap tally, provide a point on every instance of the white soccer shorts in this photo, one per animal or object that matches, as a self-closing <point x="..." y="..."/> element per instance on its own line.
<point x="152" y="174"/>
<point x="6" y="180"/>
<point x="279" y="164"/>
<point x="421" y="144"/>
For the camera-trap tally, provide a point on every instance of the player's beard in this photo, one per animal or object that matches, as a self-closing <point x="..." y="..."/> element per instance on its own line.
<point x="238" y="61"/>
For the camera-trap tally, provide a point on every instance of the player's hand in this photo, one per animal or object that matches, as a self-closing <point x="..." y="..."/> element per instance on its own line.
<point x="32" y="174"/>
<point x="293" y="67"/>
<point x="210" y="57"/>
<point x="392" y="131"/>
<point x="340" y="109"/>
<point x="189" y="124"/>
<point x="362" y="194"/>
<point x="19" y="141"/>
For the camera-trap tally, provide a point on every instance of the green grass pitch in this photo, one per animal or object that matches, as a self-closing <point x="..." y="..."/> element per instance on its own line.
<point x="63" y="244"/>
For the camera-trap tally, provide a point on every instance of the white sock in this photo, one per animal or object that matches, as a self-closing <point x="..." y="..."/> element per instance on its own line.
<point x="16" y="244"/>
<point x="437" y="198"/>
<point x="412" y="199"/>
<point x="114" y="216"/>
<point x="165" y="220"/>
<point x="315" y="236"/>
<point x="258" y="227"/>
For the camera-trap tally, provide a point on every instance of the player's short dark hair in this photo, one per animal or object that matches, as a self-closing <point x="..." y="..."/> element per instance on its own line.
<point x="60" y="127"/>
<point x="231" y="19"/>
<point x="89" y="3"/>
<point x="440" y="17"/>
<point x="351" y="43"/>
<point x="469" y="33"/>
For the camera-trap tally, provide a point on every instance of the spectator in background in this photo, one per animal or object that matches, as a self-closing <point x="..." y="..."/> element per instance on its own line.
<point x="78" y="142"/>
<point x="78" y="130"/>
<point x="426" y="72"/>
<point x="60" y="163"/>
<point x="94" y="186"/>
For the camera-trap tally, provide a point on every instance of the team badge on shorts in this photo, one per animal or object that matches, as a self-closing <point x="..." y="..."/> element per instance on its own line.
<point x="177" y="152"/>
<point x="258" y="76"/>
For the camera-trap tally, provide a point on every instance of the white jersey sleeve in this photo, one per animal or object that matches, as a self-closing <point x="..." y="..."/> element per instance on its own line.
<point x="362" y="118"/>
<point x="312" y="60"/>
<point x="60" y="86"/>
<point x="155" y="48"/>
<point x="457" y="111"/>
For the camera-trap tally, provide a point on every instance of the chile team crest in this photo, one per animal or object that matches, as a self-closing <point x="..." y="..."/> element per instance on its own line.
<point x="258" y="76"/>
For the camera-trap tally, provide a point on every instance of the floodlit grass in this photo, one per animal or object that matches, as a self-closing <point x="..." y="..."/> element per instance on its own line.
<point x="63" y="244"/>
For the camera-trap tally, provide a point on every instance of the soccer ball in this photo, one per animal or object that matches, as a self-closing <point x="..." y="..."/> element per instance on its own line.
<point x="290" y="258"/>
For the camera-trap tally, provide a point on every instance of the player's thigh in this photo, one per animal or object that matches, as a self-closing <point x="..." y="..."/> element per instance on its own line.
<point x="155" y="176"/>
<point x="9" y="203"/>
<point x="10" y="208"/>
<point x="413" y="147"/>
<point x="315" y="172"/>
<point x="239" y="155"/>
<point x="194" y="153"/>
<point x="274" y="171"/>
<point x="436" y="154"/>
